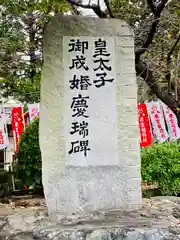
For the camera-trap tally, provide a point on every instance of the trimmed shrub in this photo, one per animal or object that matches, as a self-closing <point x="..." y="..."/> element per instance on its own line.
<point x="160" y="164"/>
<point x="28" y="167"/>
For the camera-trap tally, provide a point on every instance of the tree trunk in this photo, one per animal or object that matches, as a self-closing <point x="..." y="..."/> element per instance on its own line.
<point x="32" y="48"/>
<point x="175" y="76"/>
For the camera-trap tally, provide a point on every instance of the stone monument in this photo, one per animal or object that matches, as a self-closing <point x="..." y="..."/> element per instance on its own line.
<point x="89" y="134"/>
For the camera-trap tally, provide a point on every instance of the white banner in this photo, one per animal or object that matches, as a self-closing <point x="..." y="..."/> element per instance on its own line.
<point x="171" y="121"/>
<point x="4" y="141"/>
<point x="157" y="119"/>
<point x="33" y="111"/>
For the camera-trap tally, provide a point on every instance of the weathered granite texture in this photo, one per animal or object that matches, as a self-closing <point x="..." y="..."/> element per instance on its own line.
<point x="159" y="219"/>
<point x="71" y="189"/>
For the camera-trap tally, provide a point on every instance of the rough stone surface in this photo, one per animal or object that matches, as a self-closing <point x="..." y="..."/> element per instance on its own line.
<point x="71" y="189"/>
<point x="155" y="221"/>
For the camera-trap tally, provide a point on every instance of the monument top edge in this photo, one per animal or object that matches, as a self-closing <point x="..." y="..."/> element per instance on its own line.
<point x="90" y="20"/>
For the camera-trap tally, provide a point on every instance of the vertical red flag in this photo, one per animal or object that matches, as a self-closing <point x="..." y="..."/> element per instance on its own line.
<point x="144" y="125"/>
<point x="17" y="125"/>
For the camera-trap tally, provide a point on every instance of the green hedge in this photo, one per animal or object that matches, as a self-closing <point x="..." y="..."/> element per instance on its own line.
<point x="160" y="164"/>
<point x="28" y="168"/>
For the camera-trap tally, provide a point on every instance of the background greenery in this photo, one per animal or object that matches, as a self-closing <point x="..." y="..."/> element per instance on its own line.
<point x="160" y="164"/>
<point x="28" y="167"/>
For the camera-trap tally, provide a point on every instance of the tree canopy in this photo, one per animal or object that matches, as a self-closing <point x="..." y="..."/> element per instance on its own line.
<point x="21" y="30"/>
<point x="156" y="24"/>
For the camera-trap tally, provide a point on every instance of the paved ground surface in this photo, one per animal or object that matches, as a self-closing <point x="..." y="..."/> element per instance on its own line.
<point x="27" y="219"/>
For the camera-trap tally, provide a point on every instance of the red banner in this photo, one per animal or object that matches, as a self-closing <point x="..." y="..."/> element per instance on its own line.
<point x="144" y="125"/>
<point x="17" y="125"/>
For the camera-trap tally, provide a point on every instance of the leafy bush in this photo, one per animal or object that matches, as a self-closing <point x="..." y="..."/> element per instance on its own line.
<point x="160" y="164"/>
<point x="28" y="168"/>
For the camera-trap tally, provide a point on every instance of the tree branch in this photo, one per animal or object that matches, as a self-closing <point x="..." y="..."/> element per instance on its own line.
<point x="156" y="12"/>
<point x="32" y="48"/>
<point x="174" y="46"/>
<point x="96" y="8"/>
<point x="108" y="8"/>
<point x="168" y="61"/>
<point x="75" y="10"/>
<point x="161" y="6"/>
<point x="152" y="6"/>
<point x="149" y="39"/>
<point x="175" y="76"/>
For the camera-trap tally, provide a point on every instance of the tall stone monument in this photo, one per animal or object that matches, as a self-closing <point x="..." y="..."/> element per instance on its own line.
<point x="89" y="134"/>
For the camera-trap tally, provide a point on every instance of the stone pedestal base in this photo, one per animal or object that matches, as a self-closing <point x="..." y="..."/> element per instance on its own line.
<point x="88" y="189"/>
<point x="148" y="223"/>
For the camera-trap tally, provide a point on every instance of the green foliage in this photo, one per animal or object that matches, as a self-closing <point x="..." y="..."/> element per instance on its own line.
<point x="160" y="164"/>
<point x="21" y="32"/>
<point x="137" y="15"/>
<point x="28" y="168"/>
<point x="130" y="11"/>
